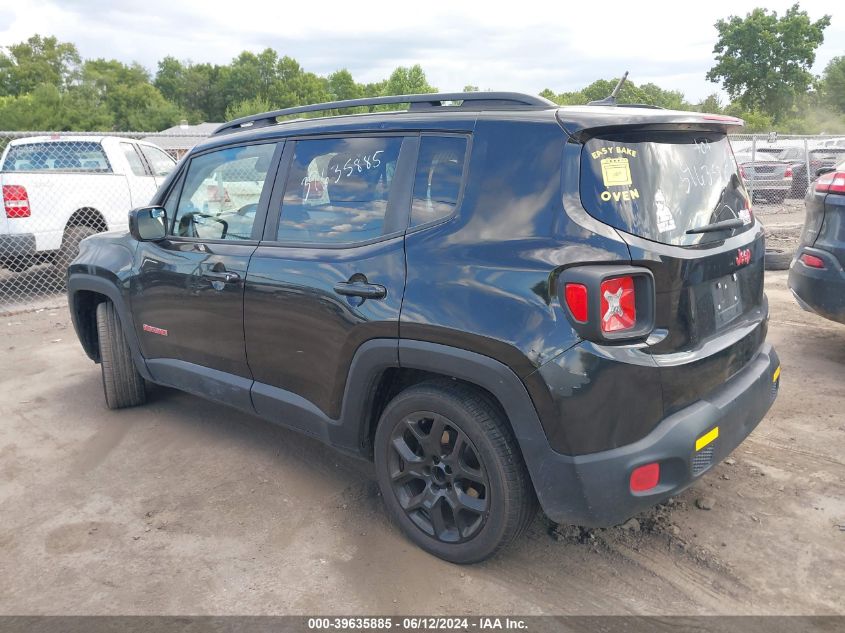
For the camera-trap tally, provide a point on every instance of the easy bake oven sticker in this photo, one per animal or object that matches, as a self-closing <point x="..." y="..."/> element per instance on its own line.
<point x="616" y="173"/>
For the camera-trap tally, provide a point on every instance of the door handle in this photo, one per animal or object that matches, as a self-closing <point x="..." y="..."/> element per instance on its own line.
<point x="225" y="277"/>
<point x="360" y="289"/>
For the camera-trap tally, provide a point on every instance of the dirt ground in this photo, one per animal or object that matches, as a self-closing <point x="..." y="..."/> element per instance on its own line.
<point x="186" y="507"/>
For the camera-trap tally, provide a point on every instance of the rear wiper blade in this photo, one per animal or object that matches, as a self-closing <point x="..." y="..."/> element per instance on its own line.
<point x="733" y="223"/>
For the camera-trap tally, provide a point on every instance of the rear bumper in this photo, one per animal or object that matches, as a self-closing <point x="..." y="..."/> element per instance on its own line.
<point x="17" y="246"/>
<point x="763" y="186"/>
<point x="819" y="290"/>
<point x="594" y="490"/>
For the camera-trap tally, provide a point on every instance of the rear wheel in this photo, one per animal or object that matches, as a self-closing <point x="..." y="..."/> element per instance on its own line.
<point x="122" y="384"/>
<point x="451" y="472"/>
<point x="70" y="245"/>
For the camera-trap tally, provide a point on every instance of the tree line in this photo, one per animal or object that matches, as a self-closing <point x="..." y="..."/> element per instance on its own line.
<point x="763" y="62"/>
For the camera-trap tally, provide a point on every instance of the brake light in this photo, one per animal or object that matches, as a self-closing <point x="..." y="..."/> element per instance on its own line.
<point x="788" y="173"/>
<point x="812" y="261"/>
<point x="645" y="477"/>
<point x="831" y="182"/>
<point x="618" y="304"/>
<point x="16" y="201"/>
<point x="576" y="301"/>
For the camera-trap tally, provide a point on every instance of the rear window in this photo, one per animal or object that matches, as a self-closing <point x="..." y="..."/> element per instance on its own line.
<point x="661" y="185"/>
<point x="57" y="156"/>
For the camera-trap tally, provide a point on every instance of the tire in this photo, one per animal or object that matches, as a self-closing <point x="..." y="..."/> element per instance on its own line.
<point x="778" y="259"/>
<point x="70" y="245"/>
<point x="462" y="491"/>
<point x="123" y="386"/>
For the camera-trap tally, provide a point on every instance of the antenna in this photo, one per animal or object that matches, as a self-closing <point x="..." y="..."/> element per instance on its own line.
<point x="611" y="99"/>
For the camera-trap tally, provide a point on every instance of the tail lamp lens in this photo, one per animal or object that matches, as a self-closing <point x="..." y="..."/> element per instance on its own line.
<point x="618" y="304"/>
<point x="644" y="478"/>
<point x="576" y="301"/>
<point x="812" y="261"/>
<point x="831" y="182"/>
<point x="788" y="173"/>
<point x="16" y="201"/>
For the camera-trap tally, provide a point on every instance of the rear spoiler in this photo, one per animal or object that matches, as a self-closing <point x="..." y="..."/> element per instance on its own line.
<point x="582" y="123"/>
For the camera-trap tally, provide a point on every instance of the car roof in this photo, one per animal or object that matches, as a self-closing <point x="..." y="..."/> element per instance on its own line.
<point x="457" y="110"/>
<point x="575" y="120"/>
<point x="57" y="139"/>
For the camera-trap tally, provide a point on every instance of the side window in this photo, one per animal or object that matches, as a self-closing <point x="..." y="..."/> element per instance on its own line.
<point x="161" y="163"/>
<point x="220" y="196"/>
<point x="337" y="190"/>
<point x="135" y="163"/>
<point x="437" y="184"/>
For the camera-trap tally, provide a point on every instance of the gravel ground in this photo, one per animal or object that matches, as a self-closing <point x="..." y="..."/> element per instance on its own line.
<point x="186" y="507"/>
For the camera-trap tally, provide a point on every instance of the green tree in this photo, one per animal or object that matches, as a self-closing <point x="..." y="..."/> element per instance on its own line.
<point x="764" y="61"/>
<point x="255" y="105"/>
<point x="712" y="103"/>
<point x="38" y="60"/>
<point x="833" y="84"/>
<point x="341" y="85"/>
<point x="194" y="88"/>
<point x="135" y="104"/>
<point x="408" y="81"/>
<point x="46" y="108"/>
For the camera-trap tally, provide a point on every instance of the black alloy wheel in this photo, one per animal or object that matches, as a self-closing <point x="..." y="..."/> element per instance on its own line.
<point x="451" y="472"/>
<point x="437" y="477"/>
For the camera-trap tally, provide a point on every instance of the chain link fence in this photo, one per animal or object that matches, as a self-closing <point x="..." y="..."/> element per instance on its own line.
<point x="58" y="188"/>
<point x="779" y="167"/>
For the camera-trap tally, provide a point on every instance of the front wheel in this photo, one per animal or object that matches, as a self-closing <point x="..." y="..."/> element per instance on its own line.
<point x="123" y="386"/>
<point x="451" y="473"/>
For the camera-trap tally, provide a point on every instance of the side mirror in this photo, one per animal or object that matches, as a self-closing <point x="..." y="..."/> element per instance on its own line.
<point x="824" y="170"/>
<point x="148" y="224"/>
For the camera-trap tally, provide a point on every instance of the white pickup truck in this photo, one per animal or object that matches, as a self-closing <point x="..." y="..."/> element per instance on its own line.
<point x="58" y="190"/>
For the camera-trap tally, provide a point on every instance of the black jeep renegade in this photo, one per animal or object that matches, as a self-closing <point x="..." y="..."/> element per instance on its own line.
<point x="498" y="300"/>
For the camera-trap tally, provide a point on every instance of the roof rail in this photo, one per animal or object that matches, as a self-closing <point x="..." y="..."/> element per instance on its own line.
<point x="469" y="100"/>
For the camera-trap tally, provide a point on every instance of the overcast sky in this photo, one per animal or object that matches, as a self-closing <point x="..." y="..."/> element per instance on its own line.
<point x="518" y="45"/>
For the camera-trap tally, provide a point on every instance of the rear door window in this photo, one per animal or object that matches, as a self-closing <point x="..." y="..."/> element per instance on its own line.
<point x="161" y="163"/>
<point x="661" y="185"/>
<point x="134" y="160"/>
<point x="337" y="190"/>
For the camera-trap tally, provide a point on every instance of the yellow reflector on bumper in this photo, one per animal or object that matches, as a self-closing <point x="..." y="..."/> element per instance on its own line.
<point x="776" y="375"/>
<point x="705" y="439"/>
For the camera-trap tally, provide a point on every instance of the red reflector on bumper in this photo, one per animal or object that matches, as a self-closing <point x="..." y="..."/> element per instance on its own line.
<point x="812" y="261"/>
<point x="645" y="477"/>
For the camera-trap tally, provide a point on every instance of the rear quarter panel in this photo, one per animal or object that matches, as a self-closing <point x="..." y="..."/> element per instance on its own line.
<point x="484" y="280"/>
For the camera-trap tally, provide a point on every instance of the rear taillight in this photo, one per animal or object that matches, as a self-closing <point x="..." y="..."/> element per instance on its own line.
<point x="609" y="303"/>
<point x="831" y="182"/>
<point x="16" y="201"/>
<point x="742" y="173"/>
<point x="788" y="173"/>
<point x="576" y="301"/>
<point x="618" y="304"/>
<point x="812" y="261"/>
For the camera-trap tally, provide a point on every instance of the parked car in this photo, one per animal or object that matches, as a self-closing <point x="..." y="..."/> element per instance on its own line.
<point x="57" y="190"/>
<point x="786" y="173"/>
<point x="769" y="175"/>
<point x="816" y="275"/>
<point x="499" y="302"/>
